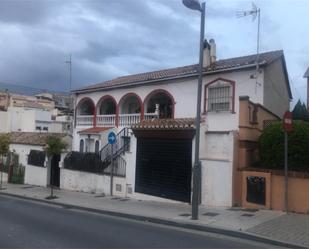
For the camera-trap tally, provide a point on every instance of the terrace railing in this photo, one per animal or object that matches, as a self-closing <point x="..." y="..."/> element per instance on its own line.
<point x="106" y="120"/>
<point x="84" y="120"/>
<point x="129" y="119"/>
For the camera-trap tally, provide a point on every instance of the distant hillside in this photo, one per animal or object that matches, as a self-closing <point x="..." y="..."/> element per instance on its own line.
<point x="26" y="90"/>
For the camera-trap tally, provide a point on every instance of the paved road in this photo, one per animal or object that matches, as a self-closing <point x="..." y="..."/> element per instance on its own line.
<point x="27" y="224"/>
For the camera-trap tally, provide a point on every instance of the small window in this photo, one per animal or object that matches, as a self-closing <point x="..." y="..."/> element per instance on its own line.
<point x="97" y="146"/>
<point x="219" y="98"/>
<point x="45" y="128"/>
<point x="38" y="128"/>
<point x="81" y="146"/>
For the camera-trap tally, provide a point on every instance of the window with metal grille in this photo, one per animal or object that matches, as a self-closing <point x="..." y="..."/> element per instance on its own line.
<point x="219" y="98"/>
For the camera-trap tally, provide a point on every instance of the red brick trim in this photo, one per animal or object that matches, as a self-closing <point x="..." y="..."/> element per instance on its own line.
<point x="164" y="92"/>
<point x="231" y="82"/>
<point x="94" y="108"/>
<point x="139" y="100"/>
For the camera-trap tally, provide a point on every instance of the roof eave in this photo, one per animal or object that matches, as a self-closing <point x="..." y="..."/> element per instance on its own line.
<point x="168" y="78"/>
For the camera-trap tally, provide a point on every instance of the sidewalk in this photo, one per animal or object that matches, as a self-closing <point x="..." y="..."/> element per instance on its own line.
<point x="261" y="225"/>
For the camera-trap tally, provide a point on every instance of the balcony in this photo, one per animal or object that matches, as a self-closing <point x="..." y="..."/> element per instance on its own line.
<point x="84" y="120"/>
<point x="128" y="111"/>
<point x="106" y="120"/>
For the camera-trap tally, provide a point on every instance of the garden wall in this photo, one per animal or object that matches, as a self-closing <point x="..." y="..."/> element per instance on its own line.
<point x="298" y="190"/>
<point x="91" y="183"/>
<point x="35" y="175"/>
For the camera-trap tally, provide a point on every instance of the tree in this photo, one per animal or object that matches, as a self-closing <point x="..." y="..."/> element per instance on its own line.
<point x="54" y="146"/>
<point x="4" y="149"/>
<point x="271" y="144"/>
<point x="300" y="112"/>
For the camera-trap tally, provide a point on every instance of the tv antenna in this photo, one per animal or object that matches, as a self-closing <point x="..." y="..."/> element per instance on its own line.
<point x="70" y="71"/>
<point x="255" y="12"/>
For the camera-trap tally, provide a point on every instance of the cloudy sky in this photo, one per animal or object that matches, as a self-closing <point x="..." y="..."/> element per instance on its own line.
<point x="110" y="38"/>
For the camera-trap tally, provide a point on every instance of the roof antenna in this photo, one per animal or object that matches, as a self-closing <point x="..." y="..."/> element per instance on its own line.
<point x="70" y="72"/>
<point x="254" y="12"/>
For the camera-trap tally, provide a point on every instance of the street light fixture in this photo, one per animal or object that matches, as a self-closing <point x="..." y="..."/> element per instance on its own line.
<point x="195" y="5"/>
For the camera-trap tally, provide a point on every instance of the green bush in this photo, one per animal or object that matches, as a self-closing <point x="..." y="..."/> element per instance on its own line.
<point x="271" y="145"/>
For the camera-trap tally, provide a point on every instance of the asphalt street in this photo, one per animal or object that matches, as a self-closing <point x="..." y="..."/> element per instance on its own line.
<point x="27" y="224"/>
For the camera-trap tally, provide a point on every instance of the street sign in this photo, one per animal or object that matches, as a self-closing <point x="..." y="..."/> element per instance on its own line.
<point x="111" y="138"/>
<point x="288" y="121"/>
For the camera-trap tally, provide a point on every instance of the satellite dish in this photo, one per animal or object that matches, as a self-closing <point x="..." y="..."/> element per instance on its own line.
<point x="192" y="4"/>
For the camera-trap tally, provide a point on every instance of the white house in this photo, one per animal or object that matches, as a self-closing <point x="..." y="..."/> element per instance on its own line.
<point x="29" y="146"/>
<point x="154" y="112"/>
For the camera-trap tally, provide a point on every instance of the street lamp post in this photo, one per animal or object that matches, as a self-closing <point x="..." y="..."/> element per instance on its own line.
<point x="195" y="5"/>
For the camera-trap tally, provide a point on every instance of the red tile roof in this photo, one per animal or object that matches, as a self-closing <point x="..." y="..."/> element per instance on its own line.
<point x="94" y="130"/>
<point x="32" y="138"/>
<point x="191" y="70"/>
<point x="162" y="124"/>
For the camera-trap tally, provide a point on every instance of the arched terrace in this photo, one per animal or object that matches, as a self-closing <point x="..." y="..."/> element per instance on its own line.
<point x="106" y="111"/>
<point x="159" y="104"/>
<point x="85" y="112"/>
<point x="130" y="109"/>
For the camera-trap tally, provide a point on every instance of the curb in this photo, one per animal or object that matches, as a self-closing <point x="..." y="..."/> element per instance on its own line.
<point x="202" y="228"/>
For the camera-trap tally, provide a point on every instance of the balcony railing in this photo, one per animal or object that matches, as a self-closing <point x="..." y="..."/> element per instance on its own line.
<point x="106" y="120"/>
<point x="149" y="116"/>
<point x="84" y="120"/>
<point x="129" y="119"/>
<point x="111" y="120"/>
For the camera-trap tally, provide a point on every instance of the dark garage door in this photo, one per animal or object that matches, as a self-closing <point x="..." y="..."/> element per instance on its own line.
<point x="163" y="168"/>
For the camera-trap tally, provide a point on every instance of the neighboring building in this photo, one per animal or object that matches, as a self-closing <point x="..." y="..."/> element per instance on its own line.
<point x="33" y="114"/>
<point x="157" y="111"/>
<point x="306" y="75"/>
<point x="26" y="143"/>
<point x="63" y="102"/>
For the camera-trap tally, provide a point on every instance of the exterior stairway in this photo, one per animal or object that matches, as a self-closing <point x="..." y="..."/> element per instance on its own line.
<point x="115" y="152"/>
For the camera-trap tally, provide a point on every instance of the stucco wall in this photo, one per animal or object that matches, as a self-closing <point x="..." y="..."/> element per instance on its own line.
<point x="36" y="175"/>
<point x="249" y="133"/>
<point x="184" y="92"/>
<point x="33" y="175"/>
<point x="298" y="185"/>
<point x="217" y="169"/>
<point x="276" y="97"/>
<point x="5" y="122"/>
<point x="91" y="183"/>
<point x="23" y="151"/>
<point x="4" y="177"/>
<point x="22" y="119"/>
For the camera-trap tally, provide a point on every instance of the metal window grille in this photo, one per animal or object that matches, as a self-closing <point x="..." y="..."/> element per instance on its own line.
<point x="219" y="98"/>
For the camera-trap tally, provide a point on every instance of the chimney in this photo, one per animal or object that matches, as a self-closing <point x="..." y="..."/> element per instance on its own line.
<point x="206" y="59"/>
<point x="213" y="51"/>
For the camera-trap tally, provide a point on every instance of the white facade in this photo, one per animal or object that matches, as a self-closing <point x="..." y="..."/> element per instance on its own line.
<point x="34" y="175"/>
<point x="218" y="131"/>
<point x="22" y="119"/>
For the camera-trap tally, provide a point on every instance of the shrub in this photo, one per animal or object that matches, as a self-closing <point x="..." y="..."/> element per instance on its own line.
<point x="271" y="145"/>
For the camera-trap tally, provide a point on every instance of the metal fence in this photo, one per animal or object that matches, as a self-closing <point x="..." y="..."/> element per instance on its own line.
<point x="37" y="158"/>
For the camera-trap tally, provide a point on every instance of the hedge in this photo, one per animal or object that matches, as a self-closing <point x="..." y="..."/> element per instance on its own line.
<point x="271" y="146"/>
<point x="89" y="162"/>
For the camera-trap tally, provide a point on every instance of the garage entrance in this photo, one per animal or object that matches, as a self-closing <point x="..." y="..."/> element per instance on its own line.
<point x="164" y="164"/>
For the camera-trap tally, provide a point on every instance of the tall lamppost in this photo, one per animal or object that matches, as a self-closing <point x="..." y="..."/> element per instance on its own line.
<point x="196" y="5"/>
